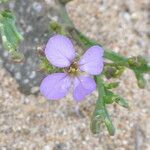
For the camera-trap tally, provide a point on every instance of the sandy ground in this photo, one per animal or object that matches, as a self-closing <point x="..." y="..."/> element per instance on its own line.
<point x="33" y="123"/>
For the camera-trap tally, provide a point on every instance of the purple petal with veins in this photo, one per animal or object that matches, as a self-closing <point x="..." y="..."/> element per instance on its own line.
<point x="55" y="86"/>
<point x="83" y="86"/>
<point x="92" y="61"/>
<point x="59" y="51"/>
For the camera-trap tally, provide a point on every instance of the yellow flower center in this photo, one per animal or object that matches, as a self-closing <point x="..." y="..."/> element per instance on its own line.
<point x="73" y="69"/>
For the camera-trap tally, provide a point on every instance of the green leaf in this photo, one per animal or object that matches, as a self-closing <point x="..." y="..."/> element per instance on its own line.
<point x="110" y="97"/>
<point x="121" y="101"/>
<point x="100" y="115"/>
<point x="140" y="64"/>
<point x="113" y="71"/>
<point x="9" y="33"/>
<point x="111" y="85"/>
<point x="3" y="1"/>
<point x="108" y="123"/>
<point x="57" y="28"/>
<point x="96" y="121"/>
<point x="140" y="79"/>
<point x="47" y="67"/>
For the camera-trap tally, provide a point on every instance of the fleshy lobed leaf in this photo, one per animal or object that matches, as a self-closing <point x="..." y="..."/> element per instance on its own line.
<point x="9" y="33"/>
<point x="3" y="1"/>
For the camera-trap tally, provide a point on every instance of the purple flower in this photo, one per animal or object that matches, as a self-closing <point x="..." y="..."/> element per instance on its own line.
<point x="60" y="53"/>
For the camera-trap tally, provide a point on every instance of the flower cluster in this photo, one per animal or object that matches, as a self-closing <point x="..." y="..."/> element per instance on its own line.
<point x="60" y="53"/>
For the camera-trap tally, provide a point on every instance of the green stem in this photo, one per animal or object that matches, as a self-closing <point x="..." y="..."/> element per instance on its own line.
<point x="101" y="91"/>
<point x="64" y="16"/>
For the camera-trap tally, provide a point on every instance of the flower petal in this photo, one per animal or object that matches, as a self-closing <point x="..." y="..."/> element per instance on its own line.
<point x="55" y="86"/>
<point x="83" y="85"/>
<point x="92" y="61"/>
<point x="59" y="51"/>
